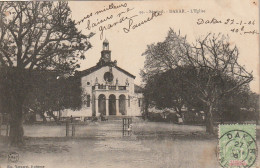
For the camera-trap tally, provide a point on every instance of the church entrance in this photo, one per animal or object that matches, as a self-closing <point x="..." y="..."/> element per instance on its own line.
<point x="102" y="104"/>
<point x="112" y="104"/>
<point x="122" y="104"/>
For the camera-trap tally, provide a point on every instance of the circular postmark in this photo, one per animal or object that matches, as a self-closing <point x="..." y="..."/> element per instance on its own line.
<point x="237" y="148"/>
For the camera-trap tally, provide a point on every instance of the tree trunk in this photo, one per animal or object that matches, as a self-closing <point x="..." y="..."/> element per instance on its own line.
<point x="179" y="111"/>
<point x="59" y="115"/>
<point x="209" y="121"/>
<point x="146" y="105"/>
<point x="181" y="119"/>
<point x="53" y="116"/>
<point x="16" y="118"/>
<point x="43" y="117"/>
<point x="17" y="90"/>
<point x="16" y="128"/>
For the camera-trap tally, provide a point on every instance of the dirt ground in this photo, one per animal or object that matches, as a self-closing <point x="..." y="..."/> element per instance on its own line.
<point x="101" y="145"/>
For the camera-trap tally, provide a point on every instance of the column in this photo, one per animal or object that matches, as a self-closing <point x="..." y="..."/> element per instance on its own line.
<point x="117" y="106"/>
<point x="107" y="108"/>
<point x="96" y="104"/>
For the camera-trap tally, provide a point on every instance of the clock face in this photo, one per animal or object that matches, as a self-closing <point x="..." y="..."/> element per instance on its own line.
<point x="107" y="56"/>
<point x="108" y="76"/>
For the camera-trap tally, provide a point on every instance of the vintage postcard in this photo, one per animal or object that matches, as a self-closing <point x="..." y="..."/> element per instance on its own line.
<point x="123" y="84"/>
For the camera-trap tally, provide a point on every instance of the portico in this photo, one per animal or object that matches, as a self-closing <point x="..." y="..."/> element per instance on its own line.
<point x="110" y="102"/>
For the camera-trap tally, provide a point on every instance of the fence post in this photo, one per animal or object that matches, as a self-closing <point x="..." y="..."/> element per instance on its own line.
<point x="73" y="130"/>
<point x="130" y="125"/>
<point x="123" y="126"/>
<point x="0" y="123"/>
<point x="67" y="128"/>
<point x="7" y="129"/>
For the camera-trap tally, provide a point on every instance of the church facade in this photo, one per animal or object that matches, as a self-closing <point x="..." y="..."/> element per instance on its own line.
<point x="108" y="90"/>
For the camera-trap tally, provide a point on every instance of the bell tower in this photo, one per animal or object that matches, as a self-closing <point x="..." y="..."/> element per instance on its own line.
<point x="105" y="53"/>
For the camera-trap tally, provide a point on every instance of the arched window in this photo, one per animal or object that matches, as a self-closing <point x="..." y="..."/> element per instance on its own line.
<point x="102" y="104"/>
<point x="122" y="104"/>
<point x="88" y="100"/>
<point x="139" y="102"/>
<point x="112" y="105"/>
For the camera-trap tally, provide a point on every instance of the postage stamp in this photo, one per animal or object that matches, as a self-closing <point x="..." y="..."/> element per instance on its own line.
<point x="237" y="145"/>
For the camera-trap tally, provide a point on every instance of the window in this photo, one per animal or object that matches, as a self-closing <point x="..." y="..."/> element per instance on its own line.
<point x="108" y="76"/>
<point x="88" y="100"/>
<point x="139" y="102"/>
<point x="88" y="83"/>
<point x="128" y="101"/>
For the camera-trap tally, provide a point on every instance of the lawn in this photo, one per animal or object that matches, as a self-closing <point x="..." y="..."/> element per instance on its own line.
<point x="101" y="145"/>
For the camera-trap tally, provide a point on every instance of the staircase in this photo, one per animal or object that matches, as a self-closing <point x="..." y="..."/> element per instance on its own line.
<point x="116" y="118"/>
<point x="113" y="127"/>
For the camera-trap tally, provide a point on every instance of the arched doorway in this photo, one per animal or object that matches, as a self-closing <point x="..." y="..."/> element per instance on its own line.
<point x="122" y="104"/>
<point x="102" y="104"/>
<point x="112" y="104"/>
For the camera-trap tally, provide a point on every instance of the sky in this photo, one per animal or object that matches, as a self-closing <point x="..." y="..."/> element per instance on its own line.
<point x="128" y="40"/>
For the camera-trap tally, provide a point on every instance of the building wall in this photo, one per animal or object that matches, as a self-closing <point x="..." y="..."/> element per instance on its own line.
<point x="99" y="74"/>
<point x="136" y="105"/>
<point x="89" y="80"/>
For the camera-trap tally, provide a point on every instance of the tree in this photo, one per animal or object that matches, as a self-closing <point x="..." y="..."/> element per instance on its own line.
<point x="167" y="90"/>
<point x="254" y="103"/>
<point x="213" y="63"/>
<point x="51" y="92"/>
<point x="36" y="36"/>
<point x="229" y="106"/>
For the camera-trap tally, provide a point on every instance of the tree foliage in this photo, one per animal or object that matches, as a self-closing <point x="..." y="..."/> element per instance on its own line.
<point x="214" y="70"/>
<point x="35" y="35"/>
<point x="168" y="90"/>
<point x="51" y="92"/>
<point x="40" y="35"/>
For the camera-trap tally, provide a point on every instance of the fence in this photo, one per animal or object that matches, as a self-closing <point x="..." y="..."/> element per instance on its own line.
<point x="4" y="125"/>
<point x="127" y="126"/>
<point x="68" y="130"/>
<point x="4" y="129"/>
<point x="106" y="129"/>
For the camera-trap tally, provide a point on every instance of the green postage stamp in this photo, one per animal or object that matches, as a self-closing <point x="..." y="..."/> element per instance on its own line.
<point x="237" y="145"/>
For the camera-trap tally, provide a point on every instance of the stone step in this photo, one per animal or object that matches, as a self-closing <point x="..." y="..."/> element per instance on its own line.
<point x="117" y="117"/>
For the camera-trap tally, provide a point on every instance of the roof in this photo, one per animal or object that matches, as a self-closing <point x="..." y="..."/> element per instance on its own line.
<point x="97" y="67"/>
<point x="138" y="89"/>
<point x="105" y="41"/>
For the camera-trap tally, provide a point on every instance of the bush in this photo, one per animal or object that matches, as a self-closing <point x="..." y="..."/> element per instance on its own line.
<point x="154" y="117"/>
<point x="239" y="115"/>
<point x="162" y="117"/>
<point x="192" y="117"/>
<point x="172" y="117"/>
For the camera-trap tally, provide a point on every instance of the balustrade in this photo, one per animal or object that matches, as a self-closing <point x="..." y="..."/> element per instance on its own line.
<point x="110" y="87"/>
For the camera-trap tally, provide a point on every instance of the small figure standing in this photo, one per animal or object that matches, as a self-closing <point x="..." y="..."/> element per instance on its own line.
<point x="71" y="119"/>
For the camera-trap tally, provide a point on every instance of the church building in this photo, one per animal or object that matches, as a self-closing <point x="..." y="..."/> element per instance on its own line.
<point x="108" y="90"/>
